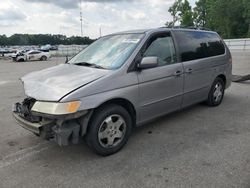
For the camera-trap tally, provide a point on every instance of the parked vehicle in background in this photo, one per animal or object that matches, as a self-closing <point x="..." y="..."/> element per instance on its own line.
<point x="6" y="50"/>
<point x="45" y="47"/>
<point x="124" y="80"/>
<point x="54" y="47"/>
<point x="48" y="47"/>
<point x="32" y="55"/>
<point x="18" y="54"/>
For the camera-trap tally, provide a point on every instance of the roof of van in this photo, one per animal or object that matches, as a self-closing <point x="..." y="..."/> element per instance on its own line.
<point x="162" y="29"/>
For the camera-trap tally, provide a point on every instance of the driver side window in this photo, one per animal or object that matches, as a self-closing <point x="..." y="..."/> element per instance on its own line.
<point x="161" y="46"/>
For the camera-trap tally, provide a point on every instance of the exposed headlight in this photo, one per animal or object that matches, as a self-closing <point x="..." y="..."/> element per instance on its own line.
<point x="56" y="108"/>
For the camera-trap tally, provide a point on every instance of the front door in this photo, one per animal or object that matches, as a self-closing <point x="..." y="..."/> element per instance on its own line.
<point x="160" y="88"/>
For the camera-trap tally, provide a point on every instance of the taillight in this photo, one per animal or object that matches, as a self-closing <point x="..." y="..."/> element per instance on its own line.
<point x="230" y="60"/>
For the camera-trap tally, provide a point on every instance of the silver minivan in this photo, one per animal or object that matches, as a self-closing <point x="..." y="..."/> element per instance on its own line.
<point x="121" y="81"/>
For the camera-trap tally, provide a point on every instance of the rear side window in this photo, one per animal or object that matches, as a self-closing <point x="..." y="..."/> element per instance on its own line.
<point x="35" y="52"/>
<point x="198" y="44"/>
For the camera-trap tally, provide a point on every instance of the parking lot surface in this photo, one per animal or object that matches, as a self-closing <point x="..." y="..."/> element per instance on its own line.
<point x="197" y="147"/>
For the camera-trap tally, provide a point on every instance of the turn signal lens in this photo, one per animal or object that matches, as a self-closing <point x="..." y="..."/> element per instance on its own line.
<point x="73" y="106"/>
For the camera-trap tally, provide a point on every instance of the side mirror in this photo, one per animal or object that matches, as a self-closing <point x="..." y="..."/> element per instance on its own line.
<point x="148" y="62"/>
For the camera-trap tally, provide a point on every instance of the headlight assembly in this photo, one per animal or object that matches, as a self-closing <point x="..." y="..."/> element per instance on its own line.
<point x="56" y="108"/>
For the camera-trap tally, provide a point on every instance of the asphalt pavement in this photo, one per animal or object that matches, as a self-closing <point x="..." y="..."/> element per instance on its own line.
<point x="197" y="147"/>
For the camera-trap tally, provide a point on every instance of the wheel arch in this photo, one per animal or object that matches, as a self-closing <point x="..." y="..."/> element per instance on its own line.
<point x="92" y="130"/>
<point x="21" y="60"/>
<point x="125" y="103"/>
<point x="223" y="77"/>
<point x="118" y="101"/>
<point x="43" y="56"/>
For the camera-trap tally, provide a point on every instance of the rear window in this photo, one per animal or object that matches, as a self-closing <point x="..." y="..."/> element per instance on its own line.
<point x="198" y="44"/>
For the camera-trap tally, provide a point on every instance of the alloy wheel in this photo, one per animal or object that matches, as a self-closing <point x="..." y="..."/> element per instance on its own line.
<point x="112" y="131"/>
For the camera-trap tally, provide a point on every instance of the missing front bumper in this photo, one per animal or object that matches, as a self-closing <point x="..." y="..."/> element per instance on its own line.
<point x="62" y="129"/>
<point x="33" y="127"/>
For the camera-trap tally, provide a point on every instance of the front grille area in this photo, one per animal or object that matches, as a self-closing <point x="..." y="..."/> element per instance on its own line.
<point x="25" y="110"/>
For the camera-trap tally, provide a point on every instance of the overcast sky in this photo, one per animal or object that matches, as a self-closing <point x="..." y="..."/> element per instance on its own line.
<point x="62" y="16"/>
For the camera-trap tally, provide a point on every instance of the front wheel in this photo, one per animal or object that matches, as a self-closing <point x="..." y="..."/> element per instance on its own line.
<point x="109" y="129"/>
<point x="20" y="60"/>
<point x="216" y="92"/>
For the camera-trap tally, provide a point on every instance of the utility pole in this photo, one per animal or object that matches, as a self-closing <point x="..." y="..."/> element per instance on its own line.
<point x="81" y="17"/>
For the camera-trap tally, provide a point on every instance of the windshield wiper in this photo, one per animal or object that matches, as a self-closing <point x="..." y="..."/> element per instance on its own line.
<point x="89" y="65"/>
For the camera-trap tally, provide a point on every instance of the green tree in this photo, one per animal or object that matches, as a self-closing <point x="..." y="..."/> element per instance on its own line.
<point x="186" y="14"/>
<point x="181" y="11"/>
<point x="169" y="24"/>
<point x="229" y="18"/>
<point x="200" y="13"/>
<point x="246" y="15"/>
<point x="3" y="40"/>
<point x="174" y="10"/>
<point x="42" y="39"/>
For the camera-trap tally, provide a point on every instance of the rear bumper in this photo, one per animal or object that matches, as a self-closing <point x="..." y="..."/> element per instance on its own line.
<point x="33" y="127"/>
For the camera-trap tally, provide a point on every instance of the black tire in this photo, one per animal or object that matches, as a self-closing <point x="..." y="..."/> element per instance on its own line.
<point x="21" y="60"/>
<point x="214" y="99"/>
<point x="97" y="123"/>
<point x="43" y="58"/>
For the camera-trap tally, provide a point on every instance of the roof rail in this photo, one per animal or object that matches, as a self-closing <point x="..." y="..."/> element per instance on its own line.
<point x="198" y="28"/>
<point x="188" y="27"/>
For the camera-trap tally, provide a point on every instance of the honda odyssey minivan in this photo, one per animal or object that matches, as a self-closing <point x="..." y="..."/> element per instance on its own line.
<point x="121" y="81"/>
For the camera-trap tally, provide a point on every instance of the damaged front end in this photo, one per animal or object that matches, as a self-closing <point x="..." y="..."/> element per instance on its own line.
<point x="63" y="128"/>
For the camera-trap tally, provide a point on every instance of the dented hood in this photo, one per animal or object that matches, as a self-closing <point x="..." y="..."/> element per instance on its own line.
<point x="54" y="83"/>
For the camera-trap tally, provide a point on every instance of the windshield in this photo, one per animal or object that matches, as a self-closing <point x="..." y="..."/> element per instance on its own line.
<point x="108" y="52"/>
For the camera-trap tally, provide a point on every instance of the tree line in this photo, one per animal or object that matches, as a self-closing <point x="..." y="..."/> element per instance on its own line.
<point x="42" y="39"/>
<point x="230" y="18"/>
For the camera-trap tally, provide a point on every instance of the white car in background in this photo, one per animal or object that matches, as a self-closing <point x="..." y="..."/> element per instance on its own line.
<point x="32" y="55"/>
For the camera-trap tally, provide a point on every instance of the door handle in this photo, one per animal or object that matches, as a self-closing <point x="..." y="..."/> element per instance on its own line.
<point x="177" y="73"/>
<point x="189" y="71"/>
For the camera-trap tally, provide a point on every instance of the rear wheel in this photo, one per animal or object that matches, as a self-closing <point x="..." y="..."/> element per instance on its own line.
<point x="43" y="58"/>
<point x="216" y="92"/>
<point x="109" y="129"/>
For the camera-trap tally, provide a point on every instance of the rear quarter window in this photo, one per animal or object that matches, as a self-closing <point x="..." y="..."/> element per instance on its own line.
<point x="198" y="44"/>
<point x="35" y="52"/>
